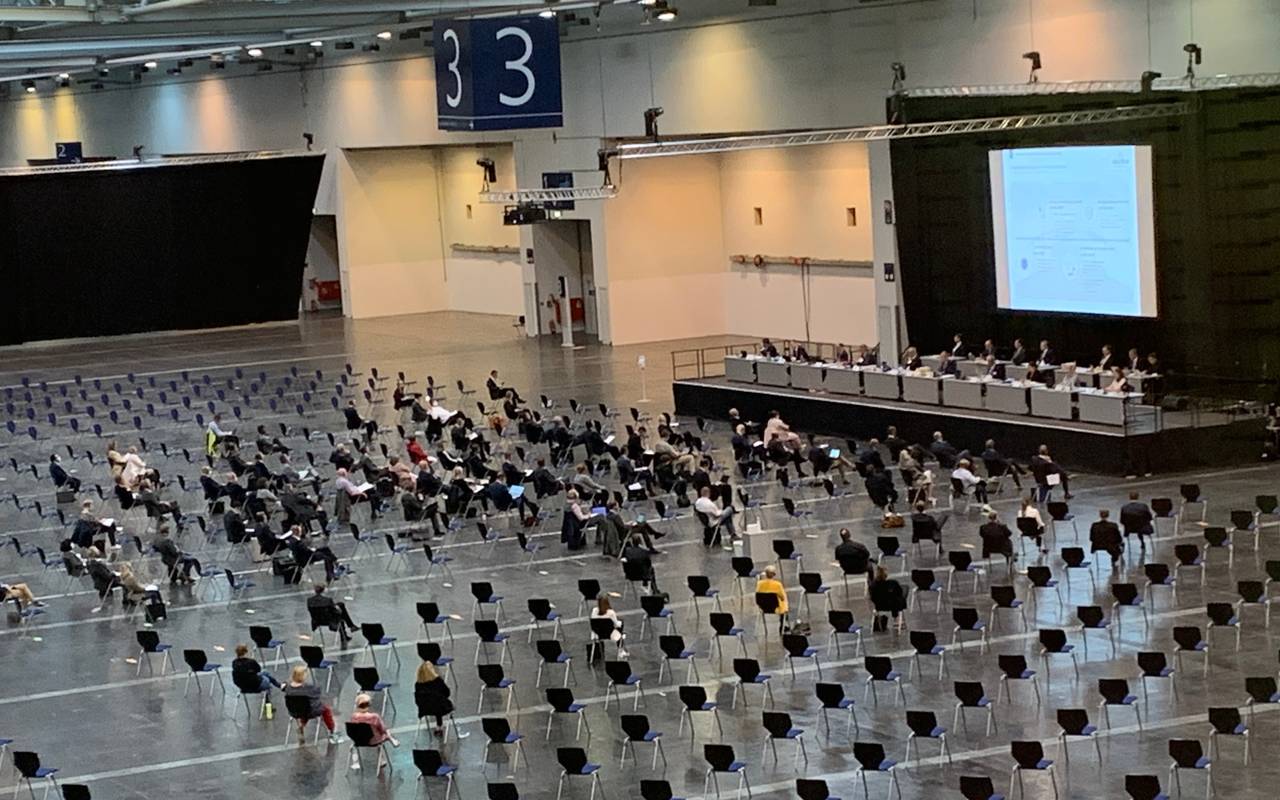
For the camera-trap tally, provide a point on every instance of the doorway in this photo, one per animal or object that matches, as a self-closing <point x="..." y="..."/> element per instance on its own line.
<point x="564" y="276"/>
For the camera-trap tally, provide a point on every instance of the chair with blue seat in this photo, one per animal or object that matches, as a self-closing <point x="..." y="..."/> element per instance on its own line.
<point x="1060" y="514"/>
<point x="966" y="621"/>
<point x="1225" y="721"/>
<point x="1243" y="521"/>
<point x="1074" y="559"/>
<point x="550" y="652"/>
<point x="313" y="657"/>
<point x="722" y="624"/>
<point x="562" y="702"/>
<point x="1013" y="667"/>
<point x="573" y="763"/>
<point x="375" y="636"/>
<point x="922" y="581"/>
<point x="149" y="645"/>
<point x="978" y="787"/>
<point x="1162" y="511"/>
<point x="925" y="643"/>
<point x="722" y="760"/>
<point x="744" y="569"/>
<point x="487" y="633"/>
<point x="871" y="758"/>
<point x="890" y="547"/>
<point x="654" y="789"/>
<point x="237" y="586"/>
<point x="1005" y="598"/>
<point x="299" y="710"/>
<point x="396" y="551"/>
<point x="813" y="789"/>
<point x="832" y="698"/>
<point x="1222" y="615"/>
<point x="250" y="683"/>
<point x="197" y="662"/>
<point x="262" y="639"/>
<point x="1189" y="754"/>
<point x="1041" y="577"/>
<point x="1075" y="722"/>
<point x="1188" y="639"/>
<point x="1188" y="557"/>
<point x="498" y="731"/>
<point x="673" y="649"/>
<point x="1158" y="574"/>
<point x="694" y="699"/>
<point x="1154" y="664"/>
<point x="620" y="674"/>
<point x="1115" y="694"/>
<point x="1254" y="593"/>
<point x="431" y="764"/>
<point x="635" y="727"/>
<point x="1192" y="496"/>
<point x="362" y="738"/>
<point x="811" y="583"/>
<point x="778" y="725"/>
<point x="961" y="562"/>
<point x="27" y="765"/>
<point x="970" y="694"/>
<point x="1144" y="787"/>
<point x="433" y="560"/>
<point x="924" y="725"/>
<point x="842" y="624"/>
<point x="493" y="677"/>
<point x="1091" y="618"/>
<point x="785" y="550"/>
<point x="370" y="682"/>
<point x="880" y="670"/>
<point x="1126" y="595"/>
<point x="482" y="595"/>
<point x="1216" y="537"/>
<point x="655" y="608"/>
<point x="749" y="674"/>
<point x="429" y="614"/>
<point x="540" y="611"/>
<point x="76" y="791"/>
<point x="1028" y="756"/>
<point x="700" y="588"/>
<point x="797" y="646"/>
<point x="4" y="749"/>
<point x="1261" y="690"/>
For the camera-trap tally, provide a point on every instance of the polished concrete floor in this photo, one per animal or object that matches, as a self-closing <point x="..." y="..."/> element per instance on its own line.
<point x="72" y="693"/>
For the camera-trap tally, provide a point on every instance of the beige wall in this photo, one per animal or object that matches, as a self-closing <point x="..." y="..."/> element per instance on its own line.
<point x="480" y="283"/>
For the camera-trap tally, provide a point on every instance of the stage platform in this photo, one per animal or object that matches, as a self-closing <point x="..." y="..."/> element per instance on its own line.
<point x="1172" y="442"/>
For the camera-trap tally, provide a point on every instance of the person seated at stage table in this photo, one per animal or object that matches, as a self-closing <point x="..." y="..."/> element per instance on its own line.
<point x="497" y="391"/>
<point x="1134" y="363"/>
<point x="988" y="349"/>
<point x="866" y="357"/>
<point x="1152" y="365"/>
<point x="1104" y="536"/>
<point x="1047" y="357"/>
<point x="1107" y="360"/>
<point x="1066" y="376"/>
<point x="958" y="348"/>
<point x="1035" y="375"/>
<point x="842" y="354"/>
<point x="1019" y="356"/>
<point x="964" y="473"/>
<point x="998" y="466"/>
<point x="1119" y="384"/>
<point x="1042" y="466"/>
<point x="947" y="365"/>
<point x="911" y="359"/>
<point x="767" y="350"/>
<point x="801" y="354"/>
<point x="994" y="370"/>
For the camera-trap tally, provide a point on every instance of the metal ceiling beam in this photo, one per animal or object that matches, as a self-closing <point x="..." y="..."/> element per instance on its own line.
<point x="519" y="196"/>
<point x="871" y="133"/>
<point x="32" y="15"/>
<point x="1176" y="84"/>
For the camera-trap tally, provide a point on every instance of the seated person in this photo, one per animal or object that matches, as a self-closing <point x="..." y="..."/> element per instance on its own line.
<point x="925" y="527"/>
<point x="853" y="557"/>
<point x="221" y="436"/>
<point x="1119" y="384"/>
<point x="174" y="560"/>
<point x="364" y="714"/>
<point x="317" y="708"/>
<point x="19" y="593"/>
<point x="998" y="466"/>
<point x="418" y="507"/>
<point x="1136" y="518"/>
<point x="346" y="489"/>
<point x="716" y="516"/>
<point x="969" y="481"/>
<point x="266" y="443"/>
<point x="996" y="537"/>
<point x="401" y="397"/>
<point x="431" y="696"/>
<point x="104" y="578"/>
<point x="355" y="422"/>
<point x="150" y="499"/>
<point x="1104" y="536"/>
<point x="416" y="454"/>
<point x="303" y="553"/>
<point x="497" y="391"/>
<point x="243" y="663"/>
<point x="330" y="612"/>
<point x="401" y="472"/>
<point x="775" y="428"/>
<point x="944" y="451"/>
<point x="341" y="458"/>
<point x="911" y="359"/>
<point x="61" y="478"/>
<point x="880" y="488"/>
<point x="1066" y="375"/>
<point x="767" y="349"/>
<point x="947" y="365"/>
<point x="1042" y="466"/>
<point x="89" y="527"/>
<point x="994" y="370"/>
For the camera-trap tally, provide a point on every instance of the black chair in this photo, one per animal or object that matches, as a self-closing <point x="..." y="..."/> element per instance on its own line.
<point x="722" y="625"/>
<point x="870" y="757"/>
<point x="561" y="701"/>
<point x="890" y="547"/>
<point x="636" y="728"/>
<point x="832" y="697"/>
<point x="76" y="791"/>
<point x="722" y="760"/>
<point x="620" y="674"/>
<point x="492" y="676"/>
<point x="694" y="699"/>
<point x="673" y="649"/>
<point x="925" y="643"/>
<point x="1115" y="693"/>
<point x="299" y="709"/>
<point x="375" y="636"/>
<point x="1189" y="754"/>
<point x="1075" y="722"/>
<point x="589" y="588"/>
<point x="1154" y="665"/>
<point x="1126" y="595"/>
<point x="498" y="731"/>
<point x="842" y="624"/>
<point x="700" y="588"/>
<point x="1158" y="574"/>
<point x="1243" y="521"/>
<point x="970" y="694"/>
<point x="1074" y="559"/>
<point x="1005" y="598"/>
<point x="503" y="791"/>
<point x="1144" y="787"/>
<point x="149" y="644"/>
<point x="1053" y="641"/>
<point x="813" y="789"/>
<point x="1092" y="619"/>
<point x="962" y="562"/>
<point x="749" y="674"/>
<point x="1041" y="577"/>
<point x="573" y="763"/>
<point x="1225" y="721"/>
<point x="1028" y="756"/>
<point x="431" y="764"/>
<point x="370" y="682"/>
<point x="778" y="725"/>
<point x="482" y="595"/>
<point x="785" y="550"/>
<point x="1187" y="639"/>
<point x="361" y="736"/>
<point x="1253" y="593"/>
<point x="1188" y="557"/>
<point x="487" y="633"/>
<point x="1217" y="538"/>
<point x="966" y="621"/>
<point x="540" y="611"/>
<point x="1013" y="667"/>
<point x="1223" y="615"/>
<point x="797" y="646"/>
<point x="1191" y="495"/>
<point x="1260" y="690"/>
<point x="924" y="725"/>
<point x="655" y="608"/>
<point x="978" y="787"/>
<point x="767" y="603"/>
<point x="812" y="584"/>
<point x="923" y="580"/>
<point x="551" y="652"/>
<point x="880" y="670"/>
<point x="745" y="569"/>
<point x="261" y="637"/>
<point x="27" y="765"/>
<point x="651" y="789"/>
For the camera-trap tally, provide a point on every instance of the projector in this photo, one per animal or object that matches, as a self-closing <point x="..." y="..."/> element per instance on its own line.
<point x="523" y="214"/>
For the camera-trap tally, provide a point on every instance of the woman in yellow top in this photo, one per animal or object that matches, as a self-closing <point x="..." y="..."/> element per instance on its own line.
<point x="769" y="584"/>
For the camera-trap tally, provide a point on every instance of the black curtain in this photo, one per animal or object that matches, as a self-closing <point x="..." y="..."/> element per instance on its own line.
<point x="153" y="248"/>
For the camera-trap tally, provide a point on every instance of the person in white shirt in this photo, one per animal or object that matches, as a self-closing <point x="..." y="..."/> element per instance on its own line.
<point x="1029" y="511"/>
<point x="775" y="426"/>
<point x="1066" y="377"/>
<point x="604" y="610"/>
<point x="135" y="469"/>
<point x="219" y="434"/>
<point x="716" y="516"/>
<point x="964" y="473"/>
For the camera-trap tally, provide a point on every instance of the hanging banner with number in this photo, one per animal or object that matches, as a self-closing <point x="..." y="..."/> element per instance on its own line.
<point x="496" y="74"/>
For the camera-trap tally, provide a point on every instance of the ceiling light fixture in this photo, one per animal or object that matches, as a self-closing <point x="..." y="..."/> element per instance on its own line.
<point x="384" y="35"/>
<point x="255" y="52"/>
<point x="149" y="65"/>
<point x="1034" y="57"/>
<point x="547" y="13"/>
<point x="317" y="43"/>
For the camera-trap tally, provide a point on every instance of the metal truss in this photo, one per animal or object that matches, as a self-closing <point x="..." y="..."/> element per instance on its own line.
<point x="1176" y="84"/>
<point x="521" y="196"/>
<point x="872" y="133"/>
<point x="147" y="163"/>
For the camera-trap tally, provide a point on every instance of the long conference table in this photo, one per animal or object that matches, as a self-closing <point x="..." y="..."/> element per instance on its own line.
<point x="1084" y="403"/>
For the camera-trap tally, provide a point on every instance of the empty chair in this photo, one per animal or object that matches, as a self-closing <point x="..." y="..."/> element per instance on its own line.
<point x="261" y="637"/>
<point x="498" y="731"/>
<point x="313" y="657"/>
<point x="970" y="694"/>
<point x="923" y="580"/>
<point x="1126" y="595"/>
<point x="1188" y="557"/>
<point x="1254" y="593"/>
<point x="673" y="649"/>
<point x="694" y="699"/>
<point x="198" y="664"/>
<point x="1013" y="667"/>
<point x="487" y="633"/>
<point x="1144" y="787"/>
<point x="1074" y="559"/>
<point x="745" y="569"/>
<point x="978" y="787"/>
<point x="722" y="760"/>
<point x="880" y="669"/>
<point x="700" y="588"/>
<point x="924" y="725"/>
<point x="1005" y="598"/>
<point x="492" y="676"/>
<point x="149" y="645"/>
<point x="375" y="636"/>
<point x="1217" y="538"/>
<point x="550" y="652"/>
<point x="1223" y="615"/>
<point x="1092" y="619"/>
<point x="813" y="789"/>
<point x="561" y="701"/>
<point x="636" y="729"/>
<point x="1187" y="639"/>
<point x="620" y="674"/>
<point x="785" y="550"/>
<point x="1242" y="521"/>
<point x="722" y="624"/>
<point x="1154" y="665"/>
<point x="778" y="725"/>
<point x="1158" y="575"/>
<point x="1028" y="756"/>
<point x="370" y="682"/>
<point x="812" y="584"/>
<point x="482" y="595"/>
<point x="655" y="608"/>
<point x="1225" y="721"/>
<point x="749" y="674"/>
<point x="870" y="757"/>
<point x="540" y="611"/>
<point x="832" y="698"/>
<point x="1115" y="693"/>
<point x="962" y="562"/>
<point x="1053" y="641"/>
<point x="1189" y="754"/>
<point x="573" y="763"/>
<point x="1191" y="496"/>
<point x="1162" y="510"/>
<point x="797" y="646"/>
<point x="1260" y="690"/>
<point x="925" y="643"/>
<point x="651" y="789"/>
<point x="889" y="547"/>
<point x="27" y="765"/>
<point x="1041" y="577"/>
<point x="431" y="764"/>
<point x="842" y="624"/>
<point x="1075" y="722"/>
<point x="967" y="621"/>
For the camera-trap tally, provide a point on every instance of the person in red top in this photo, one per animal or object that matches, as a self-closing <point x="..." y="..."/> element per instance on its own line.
<point x="364" y="714"/>
<point x="416" y="454"/>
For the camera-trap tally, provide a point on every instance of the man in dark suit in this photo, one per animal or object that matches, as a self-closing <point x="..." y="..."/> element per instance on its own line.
<point x="868" y="456"/>
<point x="332" y="612"/>
<point x="1135" y="360"/>
<point x="996" y="537"/>
<point x="637" y="557"/>
<point x="1019" y="356"/>
<point x="925" y="527"/>
<point x="1107" y="361"/>
<point x="1104" y="535"/>
<point x="995" y="370"/>
<point x="497" y="391"/>
<point x="944" y="451"/>
<point x="988" y="349"/>
<point x="853" y="557"/>
<point x="998" y="466"/>
<point x="62" y="478"/>
<point x="958" y="349"/>
<point x="880" y="488"/>
<point x="1136" y="517"/>
<point x="894" y="443"/>
<point x="1042" y="466"/>
<point x="947" y="365"/>
<point x="1047" y="357"/>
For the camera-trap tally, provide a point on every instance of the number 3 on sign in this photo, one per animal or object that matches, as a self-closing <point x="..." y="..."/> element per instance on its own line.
<point x="518" y="65"/>
<point x="454" y="99"/>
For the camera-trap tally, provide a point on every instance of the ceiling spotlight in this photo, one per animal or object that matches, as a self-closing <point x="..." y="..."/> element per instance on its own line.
<point x="317" y="43"/>
<point x="899" y="75"/>
<point x="254" y="52"/>
<point x="651" y="122"/>
<point x="1149" y="77"/>
<point x="1194" y="56"/>
<point x="1034" y="57"/>
<point x="149" y="65"/>
<point x="384" y="35"/>
<point x="29" y="86"/>
<point x="490" y="172"/>
<point x="547" y="13"/>
<point x="309" y="138"/>
<point x="648" y="2"/>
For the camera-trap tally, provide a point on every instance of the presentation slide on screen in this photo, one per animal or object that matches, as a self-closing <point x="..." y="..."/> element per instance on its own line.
<point x="1074" y="230"/>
